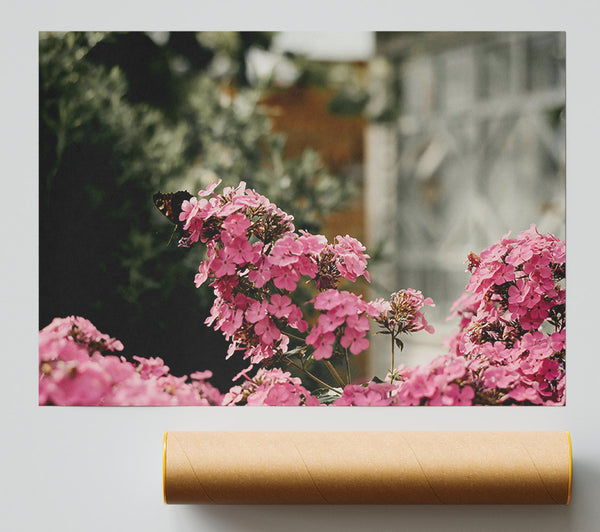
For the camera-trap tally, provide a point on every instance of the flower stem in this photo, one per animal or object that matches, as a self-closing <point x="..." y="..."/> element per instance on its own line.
<point x="348" y="366"/>
<point x="392" y="370"/>
<point x="334" y="372"/>
<point x="309" y="374"/>
<point x="295" y="337"/>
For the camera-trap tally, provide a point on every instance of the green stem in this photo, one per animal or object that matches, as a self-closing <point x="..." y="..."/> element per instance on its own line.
<point x="303" y="340"/>
<point x="348" y="367"/>
<point x="309" y="374"/>
<point x="393" y="342"/>
<point x="334" y="372"/>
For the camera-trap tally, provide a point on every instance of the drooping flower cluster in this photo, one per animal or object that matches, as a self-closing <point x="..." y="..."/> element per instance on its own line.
<point x="273" y="387"/>
<point x="255" y="261"/>
<point x="73" y="371"/>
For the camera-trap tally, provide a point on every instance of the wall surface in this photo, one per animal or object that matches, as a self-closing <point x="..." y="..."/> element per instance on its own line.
<point x="97" y="469"/>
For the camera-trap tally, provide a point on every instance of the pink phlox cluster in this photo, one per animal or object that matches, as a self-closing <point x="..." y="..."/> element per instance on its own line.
<point x="370" y="394"/>
<point x="204" y="219"/>
<point x="442" y="382"/>
<point x="255" y="261"/>
<point x="352" y="261"/>
<point x="273" y="387"/>
<point x="512" y="321"/>
<point x="344" y="315"/>
<point x="73" y="371"/>
<point x="403" y="313"/>
<point x="415" y="301"/>
<point x="65" y="337"/>
<point x="532" y="370"/>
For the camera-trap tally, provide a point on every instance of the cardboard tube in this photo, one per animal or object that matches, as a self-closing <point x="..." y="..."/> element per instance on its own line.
<point x="367" y="467"/>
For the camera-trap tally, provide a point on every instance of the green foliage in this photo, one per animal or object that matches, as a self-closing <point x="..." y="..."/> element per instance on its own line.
<point x="107" y="143"/>
<point x="236" y="144"/>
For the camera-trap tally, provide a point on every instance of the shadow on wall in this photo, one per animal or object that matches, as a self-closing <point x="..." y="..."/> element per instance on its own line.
<point x="360" y="518"/>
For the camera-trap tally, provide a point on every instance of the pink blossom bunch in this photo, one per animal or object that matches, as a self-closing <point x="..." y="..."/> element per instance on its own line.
<point x="509" y="347"/>
<point x="369" y="394"/>
<point x="344" y="317"/>
<point x="442" y="382"/>
<point x="403" y="312"/>
<point x="401" y="315"/>
<point x="255" y="261"/>
<point x="512" y="327"/>
<point x="273" y="387"/>
<point x="73" y="371"/>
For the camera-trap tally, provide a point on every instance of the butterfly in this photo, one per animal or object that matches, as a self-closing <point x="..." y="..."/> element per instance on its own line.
<point x="170" y="206"/>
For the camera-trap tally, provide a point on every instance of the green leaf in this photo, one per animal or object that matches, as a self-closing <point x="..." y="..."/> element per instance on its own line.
<point x="296" y="351"/>
<point x="327" y="396"/>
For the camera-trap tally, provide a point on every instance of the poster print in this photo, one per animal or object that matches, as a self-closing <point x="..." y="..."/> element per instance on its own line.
<point x="233" y="218"/>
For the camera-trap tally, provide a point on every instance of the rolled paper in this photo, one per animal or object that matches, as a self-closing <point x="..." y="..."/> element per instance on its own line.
<point x="367" y="467"/>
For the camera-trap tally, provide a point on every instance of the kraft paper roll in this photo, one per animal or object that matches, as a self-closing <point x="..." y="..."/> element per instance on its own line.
<point x="367" y="468"/>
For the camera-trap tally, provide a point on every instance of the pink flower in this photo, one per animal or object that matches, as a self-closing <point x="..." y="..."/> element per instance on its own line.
<point x="261" y="275"/>
<point x="330" y="322"/>
<point x="403" y="313"/>
<point x="202" y="275"/>
<point x="232" y="322"/>
<point x="525" y="394"/>
<point x="271" y="387"/>
<point x="209" y="189"/>
<point x="236" y="225"/>
<point x="257" y="310"/>
<point x="151" y="367"/>
<point x="95" y="379"/>
<point x="238" y="250"/>
<point x="519" y="255"/>
<point x="322" y="342"/>
<point x="515" y="284"/>
<point x="286" y="250"/>
<point x="504" y="274"/>
<point x="280" y="306"/>
<point x="83" y="384"/>
<point x="201" y="375"/>
<point x="373" y="394"/>
<point x="285" y="278"/>
<point x="327" y="300"/>
<point x="355" y="340"/>
<point x="295" y="319"/>
<point x="341" y="309"/>
<point x="499" y="377"/>
<point x="267" y="331"/>
<point x="312" y="244"/>
<point x="224" y="266"/>
<point x="453" y="395"/>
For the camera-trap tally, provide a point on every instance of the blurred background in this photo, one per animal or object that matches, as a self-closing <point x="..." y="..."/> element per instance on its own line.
<point x="424" y="146"/>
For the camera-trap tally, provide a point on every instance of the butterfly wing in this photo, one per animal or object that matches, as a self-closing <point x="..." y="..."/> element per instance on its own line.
<point x="170" y="205"/>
